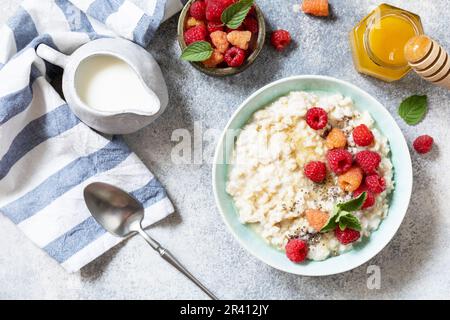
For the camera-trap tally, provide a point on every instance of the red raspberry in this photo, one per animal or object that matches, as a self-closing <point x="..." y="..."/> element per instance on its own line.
<point x="375" y="183"/>
<point x="198" y="10"/>
<point x="215" y="8"/>
<point x="363" y="136"/>
<point x="316" y="171"/>
<point x="316" y="118"/>
<point x="339" y="160"/>
<point x="252" y="11"/>
<point x="280" y="39"/>
<point x="423" y="144"/>
<point x="368" y="161"/>
<point x="296" y="250"/>
<point x="214" y="26"/>
<point x="195" y="34"/>
<point x="370" y="199"/>
<point x="251" y="24"/>
<point x="234" y="57"/>
<point x="347" y="236"/>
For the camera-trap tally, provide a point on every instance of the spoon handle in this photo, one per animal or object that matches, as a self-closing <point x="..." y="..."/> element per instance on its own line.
<point x="166" y="255"/>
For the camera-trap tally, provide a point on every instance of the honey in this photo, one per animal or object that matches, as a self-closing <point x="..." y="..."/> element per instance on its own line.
<point x="378" y="42"/>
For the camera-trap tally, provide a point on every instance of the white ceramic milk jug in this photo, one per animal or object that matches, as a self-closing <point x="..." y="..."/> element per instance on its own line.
<point x="112" y="85"/>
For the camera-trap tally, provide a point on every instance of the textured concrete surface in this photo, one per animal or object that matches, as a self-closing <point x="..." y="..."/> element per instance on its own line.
<point x="414" y="265"/>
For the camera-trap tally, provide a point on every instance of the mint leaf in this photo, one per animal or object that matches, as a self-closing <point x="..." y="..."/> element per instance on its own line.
<point x="331" y="223"/>
<point x="198" y="51"/>
<point x="413" y="109"/>
<point x="354" y="204"/>
<point x="234" y="15"/>
<point x="341" y="214"/>
<point x="342" y="217"/>
<point x="349" y="221"/>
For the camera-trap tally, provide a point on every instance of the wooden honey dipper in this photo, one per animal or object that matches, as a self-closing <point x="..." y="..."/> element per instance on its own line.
<point x="428" y="59"/>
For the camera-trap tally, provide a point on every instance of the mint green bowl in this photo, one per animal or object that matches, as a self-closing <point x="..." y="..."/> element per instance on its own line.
<point x="400" y="156"/>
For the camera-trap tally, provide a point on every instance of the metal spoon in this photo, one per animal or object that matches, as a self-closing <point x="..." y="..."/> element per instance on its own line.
<point x="121" y="214"/>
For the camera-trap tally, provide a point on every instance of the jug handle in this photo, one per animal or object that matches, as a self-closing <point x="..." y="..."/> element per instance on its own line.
<point x="51" y="55"/>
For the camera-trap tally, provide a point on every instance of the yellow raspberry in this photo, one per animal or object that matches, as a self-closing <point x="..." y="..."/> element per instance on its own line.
<point x="192" y="22"/>
<point x="351" y="180"/>
<point x="336" y="139"/>
<point x="239" y="39"/>
<point x="219" y="40"/>
<point x="316" y="218"/>
<point x="214" y="60"/>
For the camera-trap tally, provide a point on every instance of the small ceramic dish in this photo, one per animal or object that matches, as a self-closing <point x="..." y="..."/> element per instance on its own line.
<point x="222" y="72"/>
<point x="362" y="252"/>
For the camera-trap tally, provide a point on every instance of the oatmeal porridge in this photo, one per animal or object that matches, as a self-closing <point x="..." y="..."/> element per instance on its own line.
<point x="297" y="161"/>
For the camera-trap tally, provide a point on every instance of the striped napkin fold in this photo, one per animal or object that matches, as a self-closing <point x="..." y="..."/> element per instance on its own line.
<point x="47" y="156"/>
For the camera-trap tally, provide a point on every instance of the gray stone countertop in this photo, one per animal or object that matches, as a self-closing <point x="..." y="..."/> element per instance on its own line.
<point x="414" y="265"/>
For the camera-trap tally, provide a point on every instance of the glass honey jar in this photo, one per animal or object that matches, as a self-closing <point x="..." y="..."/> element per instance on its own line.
<point x="378" y="42"/>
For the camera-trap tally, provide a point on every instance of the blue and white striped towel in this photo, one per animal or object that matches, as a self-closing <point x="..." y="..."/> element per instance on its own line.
<point x="47" y="156"/>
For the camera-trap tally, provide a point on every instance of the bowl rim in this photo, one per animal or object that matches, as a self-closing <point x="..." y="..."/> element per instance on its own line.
<point x="407" y="164"/>
<point x="229" y="71"/>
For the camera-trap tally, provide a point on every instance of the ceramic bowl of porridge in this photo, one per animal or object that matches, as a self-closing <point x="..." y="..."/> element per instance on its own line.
<point x="312" y="175"/>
